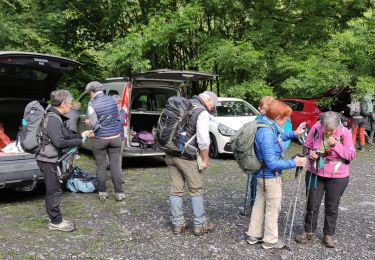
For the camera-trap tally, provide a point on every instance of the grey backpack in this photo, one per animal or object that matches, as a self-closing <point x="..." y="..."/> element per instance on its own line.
<point x="30" y="135"/>
<point x="242" y="144"/>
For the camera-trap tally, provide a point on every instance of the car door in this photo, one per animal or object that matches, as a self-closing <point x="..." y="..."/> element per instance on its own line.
<point x="297" y="116"/>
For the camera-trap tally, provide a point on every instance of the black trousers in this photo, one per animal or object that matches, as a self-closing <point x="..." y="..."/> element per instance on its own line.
<point x="53" y="191"/>
<point x="112" y="148"/>
<point x="333" y="190"/>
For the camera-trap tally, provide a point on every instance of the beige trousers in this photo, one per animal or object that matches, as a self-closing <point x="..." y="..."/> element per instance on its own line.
<point x="266" y="211"/>
<point x="182" y="171"/>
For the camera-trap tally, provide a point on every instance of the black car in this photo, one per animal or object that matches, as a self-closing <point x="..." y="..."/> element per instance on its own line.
<point x="25" y="77"/>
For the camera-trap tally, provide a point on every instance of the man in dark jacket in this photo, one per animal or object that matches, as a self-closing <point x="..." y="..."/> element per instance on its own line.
<point x="56" y="138"/>
<point x="102" y="110"/>
<point x="185" y="168"/>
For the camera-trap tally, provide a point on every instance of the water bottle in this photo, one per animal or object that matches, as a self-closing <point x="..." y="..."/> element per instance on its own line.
<point x="181" y="139"/>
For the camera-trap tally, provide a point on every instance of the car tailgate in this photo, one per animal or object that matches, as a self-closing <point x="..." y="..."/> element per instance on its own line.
<point x="18" y="168"/>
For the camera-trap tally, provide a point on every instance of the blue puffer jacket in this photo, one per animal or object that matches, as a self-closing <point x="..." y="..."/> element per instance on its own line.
<point x="268" y="149"/>
<point x="105" y="106"/>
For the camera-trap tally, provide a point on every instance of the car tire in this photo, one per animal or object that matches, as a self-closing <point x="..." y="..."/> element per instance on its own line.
<point x="213" y="152"/>
<point x="302" y="138"/>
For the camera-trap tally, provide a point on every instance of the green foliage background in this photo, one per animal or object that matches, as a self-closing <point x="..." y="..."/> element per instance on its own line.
<point x="259" y="47"/>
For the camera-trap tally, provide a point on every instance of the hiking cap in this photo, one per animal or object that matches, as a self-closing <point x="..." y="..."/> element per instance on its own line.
<point x="94" y="86"/>
<point x="212" y="95"/>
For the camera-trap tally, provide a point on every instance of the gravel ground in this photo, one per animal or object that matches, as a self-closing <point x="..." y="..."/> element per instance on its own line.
<point x="139" y="228"/>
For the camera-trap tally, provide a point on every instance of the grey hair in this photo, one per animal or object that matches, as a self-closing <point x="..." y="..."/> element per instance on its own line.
<point x="117" y="98"/>
<point x="330" y="120"/>
<point x="59" y="96"/>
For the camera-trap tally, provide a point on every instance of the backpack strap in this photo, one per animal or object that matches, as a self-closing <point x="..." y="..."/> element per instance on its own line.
<point x="44" y="124"/>
<point x="316" y="134"/>
<point x="262" y="125"/>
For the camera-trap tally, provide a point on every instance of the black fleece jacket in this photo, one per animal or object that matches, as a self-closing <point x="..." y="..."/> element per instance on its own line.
<point x="60" y="136"/>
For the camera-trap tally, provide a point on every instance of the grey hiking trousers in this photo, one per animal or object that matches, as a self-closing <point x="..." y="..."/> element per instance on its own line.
<point x="101" y="148"/>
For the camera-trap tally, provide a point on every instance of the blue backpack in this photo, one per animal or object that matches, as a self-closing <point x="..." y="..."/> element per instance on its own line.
<point x="81" y="181"/>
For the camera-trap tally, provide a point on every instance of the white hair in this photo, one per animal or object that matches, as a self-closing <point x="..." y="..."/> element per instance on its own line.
<point x="330" y="120"/>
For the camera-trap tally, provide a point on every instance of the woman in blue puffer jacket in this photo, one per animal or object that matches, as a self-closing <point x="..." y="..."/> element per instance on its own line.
<point x="269" y="149"/>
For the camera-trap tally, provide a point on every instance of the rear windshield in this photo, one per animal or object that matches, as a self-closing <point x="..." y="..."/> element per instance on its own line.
<point x="151" y="99"/>
<point x="235" y="108"/>
<point x="22" y="72"/>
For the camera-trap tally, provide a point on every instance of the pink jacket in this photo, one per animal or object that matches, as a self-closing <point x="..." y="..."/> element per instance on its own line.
<point x="343" y="150"/>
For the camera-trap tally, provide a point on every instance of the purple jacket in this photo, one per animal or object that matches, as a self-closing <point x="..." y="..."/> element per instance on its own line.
<point x="343" y="150"/>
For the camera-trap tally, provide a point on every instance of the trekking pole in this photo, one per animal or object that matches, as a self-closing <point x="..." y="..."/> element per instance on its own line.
<point x="74" y="149"/>
<point x="70" y="153"/>
<point x="315" y="187"/>
<point x="308" y="189"/>
<point x="290" y="202"/>
<point x="299" y="169"/>
<point x="244" y="213"/>
<point x="253" y="190"/>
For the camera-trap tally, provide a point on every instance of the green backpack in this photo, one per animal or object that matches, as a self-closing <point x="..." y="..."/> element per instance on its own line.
<point x="366" y="107"/>
<point x="242" y="144"/>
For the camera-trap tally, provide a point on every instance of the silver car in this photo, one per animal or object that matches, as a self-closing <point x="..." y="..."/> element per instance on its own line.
<point x="144" y="97"/>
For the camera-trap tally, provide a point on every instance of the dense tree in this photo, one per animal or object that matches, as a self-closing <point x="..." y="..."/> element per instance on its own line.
<point x="281" y="47"/>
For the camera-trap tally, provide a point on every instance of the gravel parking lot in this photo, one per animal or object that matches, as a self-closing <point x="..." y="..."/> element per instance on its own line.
<point x="139" y="228"/>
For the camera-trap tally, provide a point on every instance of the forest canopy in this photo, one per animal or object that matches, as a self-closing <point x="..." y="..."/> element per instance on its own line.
<point x="285" y="48"/>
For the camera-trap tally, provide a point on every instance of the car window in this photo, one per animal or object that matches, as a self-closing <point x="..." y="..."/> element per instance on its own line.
<point x="112" y="92"/>
<point x="21" y="72"/>
<point x="159" y="101"/>
<point x="141" y="103"/>
<point x="294" y="105"/>
<point x="235" y="108"/>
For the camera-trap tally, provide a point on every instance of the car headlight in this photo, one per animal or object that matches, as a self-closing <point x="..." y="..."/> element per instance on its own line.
<point x="225" y="130"/>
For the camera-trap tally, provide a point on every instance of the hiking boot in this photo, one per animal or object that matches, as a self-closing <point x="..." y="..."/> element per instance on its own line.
<point x="178" y="229"/>
<point x="254" y="240"/>
<point x="278" y="245"/>
<point x="304" y="237"/>
<point x="103" y="196"/>
<point x="329" y="241"/>
<point x="203" y="229"/>
<point x="119" y="196"/>
<point x="65" y="226"/>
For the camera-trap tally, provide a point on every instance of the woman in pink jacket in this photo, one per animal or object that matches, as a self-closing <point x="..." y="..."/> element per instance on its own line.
<point x="330" y="148"/>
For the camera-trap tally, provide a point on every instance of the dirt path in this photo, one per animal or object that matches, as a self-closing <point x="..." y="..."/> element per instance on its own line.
<point x="138" y="227"/>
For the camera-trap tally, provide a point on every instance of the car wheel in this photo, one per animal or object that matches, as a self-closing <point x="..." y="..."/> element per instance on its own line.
<point x="213" y="152"/>
<point x="302" y="138"/>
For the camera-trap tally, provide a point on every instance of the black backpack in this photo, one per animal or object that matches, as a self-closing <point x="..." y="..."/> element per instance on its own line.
<point x="172" y="124"/>
<point x="30" y="135"/>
